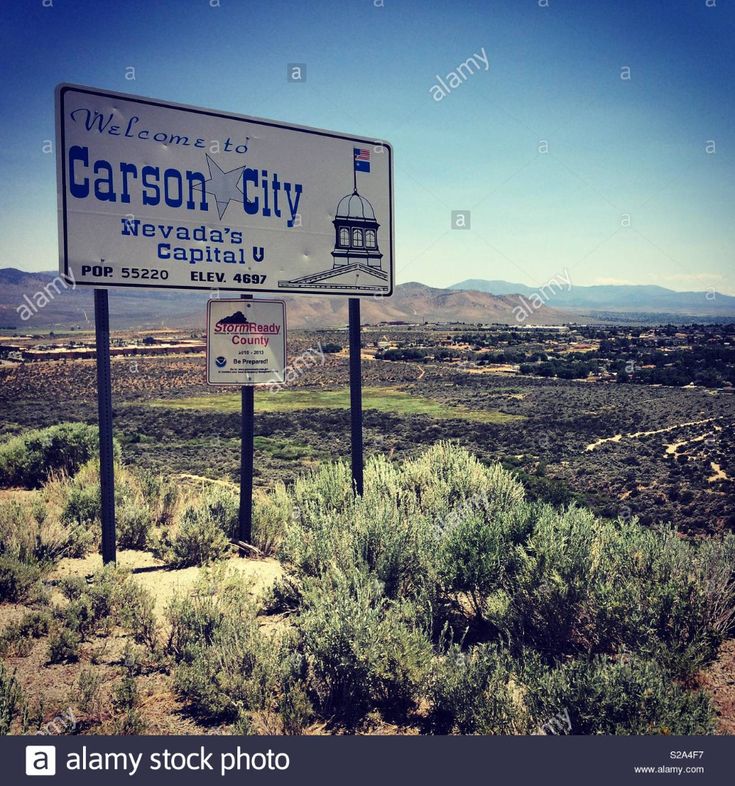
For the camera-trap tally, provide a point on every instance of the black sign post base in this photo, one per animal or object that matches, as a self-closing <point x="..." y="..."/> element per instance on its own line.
<point x="104" y="411"/>
<point x="356" y="395"/>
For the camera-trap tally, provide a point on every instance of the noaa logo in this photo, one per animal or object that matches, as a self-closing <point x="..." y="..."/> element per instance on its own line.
<point x="220" y="362"/>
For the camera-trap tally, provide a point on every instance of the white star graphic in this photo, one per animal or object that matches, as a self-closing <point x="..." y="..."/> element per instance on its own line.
<point x="223" y="185"/>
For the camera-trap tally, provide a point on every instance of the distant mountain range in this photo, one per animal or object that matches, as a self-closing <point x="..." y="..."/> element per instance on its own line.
<point x="474" y="300"/>
<point x="21" y="292"/>
<point x="622" y="298"/>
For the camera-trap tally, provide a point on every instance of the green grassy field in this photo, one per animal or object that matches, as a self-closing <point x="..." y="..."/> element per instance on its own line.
<point x="385" y="399"/>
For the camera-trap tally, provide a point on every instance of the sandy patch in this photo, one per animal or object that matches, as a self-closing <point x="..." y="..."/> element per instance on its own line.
<point x="164" y="583"/>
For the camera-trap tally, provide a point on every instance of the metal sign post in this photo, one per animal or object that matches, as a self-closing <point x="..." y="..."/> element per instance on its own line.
<point x="247" y="429"/>
<point x="104" y="410"/>
<point x="356" y="395"/>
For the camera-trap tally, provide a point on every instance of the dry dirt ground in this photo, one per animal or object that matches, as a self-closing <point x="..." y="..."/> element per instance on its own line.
<point x="165" y="583"/>
<point x="52" y="689"/>
<point x="719" y="681"/>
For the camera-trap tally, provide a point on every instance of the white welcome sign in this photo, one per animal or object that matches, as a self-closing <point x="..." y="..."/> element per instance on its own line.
<point x="155" y="194"/>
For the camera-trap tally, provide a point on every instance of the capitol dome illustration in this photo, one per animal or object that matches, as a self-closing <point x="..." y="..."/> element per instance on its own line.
<point x="357" y="260"/>
<point x="356" y="233"/>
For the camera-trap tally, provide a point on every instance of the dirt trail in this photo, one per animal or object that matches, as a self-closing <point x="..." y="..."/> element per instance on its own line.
<point x="719" y="473"/>
<point x="637" y="434"/>
<point x="227" y="483"/>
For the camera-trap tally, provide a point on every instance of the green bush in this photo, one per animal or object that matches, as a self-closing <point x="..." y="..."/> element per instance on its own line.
<point x="136" y="613"/>
<point x="133" y="522"/>
<point x="82" y="507"/>
<point x="327" y="488"/>
<point x="17" y="638"/>
<point x="125" y="702"/>
<point x="225" y="666"/>
<point x="396" y="530"/>
<point x="473" y="692"/>
<point x="272" y="515"/>
<point x="63" y="645"/>
<point x="482" y="551"/>
<point x="362" y="652"/>
<point x="29" y="535"/>
<point x="160" y="496"/>
<point x="16" y="579"/>
<point x="11" y="700"/>
<point x="550" y="603"/>
<point x="585" y="585"/>
<point x="555" y="600"/>
<point x="29" y="459"/>
<point x="89" y="684"/>
<point x="446" y="477"/>
<point x="634" y="696"/>
<point x="221" y="505"/>
<point x="198" y="540"/>
<point x="193" y="622"/>
<point x="110" y="598"/>
<point x="202" y="531"/>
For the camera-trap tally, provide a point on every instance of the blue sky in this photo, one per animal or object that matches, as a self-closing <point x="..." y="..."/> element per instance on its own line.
<point x="563" y="164"/>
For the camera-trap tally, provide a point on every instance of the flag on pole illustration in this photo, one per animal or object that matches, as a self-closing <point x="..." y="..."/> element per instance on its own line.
<point x="362" y="159"/>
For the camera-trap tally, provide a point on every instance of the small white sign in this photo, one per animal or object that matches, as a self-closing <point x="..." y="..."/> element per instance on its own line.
<point x="246" y="342"/>
<point x="156" y="194"/>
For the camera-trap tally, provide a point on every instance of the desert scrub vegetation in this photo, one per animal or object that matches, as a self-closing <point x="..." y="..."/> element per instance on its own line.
<point x="226" y="669"/>
<point x="441" y="601"/>
<point x="29" y="459"/>
<point x="12" y="702"/>
<point x="60" y="518"/>
<point x="443" y="586"/>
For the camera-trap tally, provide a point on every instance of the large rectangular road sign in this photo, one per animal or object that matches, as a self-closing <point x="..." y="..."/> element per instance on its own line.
<point x="246" y="341"/>
<point x="155" y="194"/>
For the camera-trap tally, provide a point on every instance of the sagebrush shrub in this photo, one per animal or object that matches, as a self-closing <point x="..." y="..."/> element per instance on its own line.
<point x="28" y="460"/>
<point x="550" y="604"/>
<point x="201" y="531"/>
<point x="63" y="645"/>
<point x="632" y="696"/>
<point x="11" y="700"/>
<point x="133" y="524"/>
<point x="110" y="598"/>
<point x="327" y="488"/>
<point x="587" y="585"/>
<point x="29" y="535"/>
<point x="125" y="702"/>
<point x="446" y="476"/>
<point x="226" y="666"/>
<point x="272" y="515"/>
<point x="16" y="579"/>
<point x="89" y="684"/>
<point x="17" y="637"/>
<point x="482" y="551"/>
<point x="198" y="538"/>
<point x="136" y="613"/>
<point x="362" y="651"/>
<point x="474" y="692"/>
